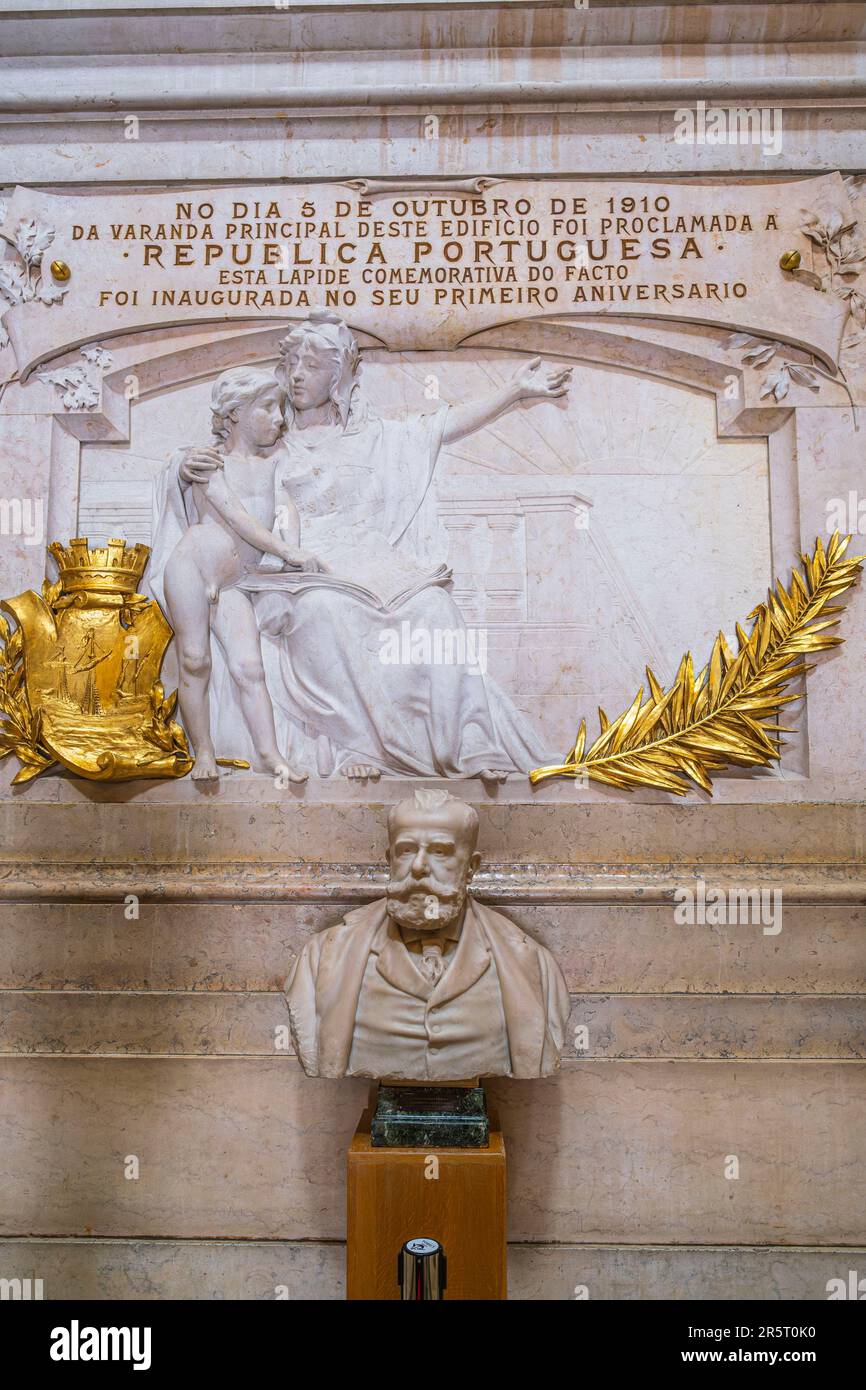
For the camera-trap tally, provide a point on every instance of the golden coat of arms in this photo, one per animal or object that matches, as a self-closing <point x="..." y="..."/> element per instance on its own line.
<point x="79" y="674"/>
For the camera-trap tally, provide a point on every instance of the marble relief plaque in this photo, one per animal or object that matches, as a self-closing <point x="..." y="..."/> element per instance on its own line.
<point x="548" y="519"/>
<point x="441" y="503"/>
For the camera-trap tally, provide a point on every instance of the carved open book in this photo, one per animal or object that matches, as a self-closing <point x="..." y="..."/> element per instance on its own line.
<point x="296" y="581"/>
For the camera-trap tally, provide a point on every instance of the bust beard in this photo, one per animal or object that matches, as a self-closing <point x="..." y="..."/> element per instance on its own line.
<point x="423" y="904"/>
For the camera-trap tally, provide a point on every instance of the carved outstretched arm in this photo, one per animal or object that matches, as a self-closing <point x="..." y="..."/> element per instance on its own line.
<point x="531" y="381"/>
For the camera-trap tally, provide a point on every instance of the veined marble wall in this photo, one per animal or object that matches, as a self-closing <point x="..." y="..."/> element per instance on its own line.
<point x="145" y="929"/>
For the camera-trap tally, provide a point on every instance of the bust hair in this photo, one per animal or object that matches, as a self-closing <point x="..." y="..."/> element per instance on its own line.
<point x="428" y="800"/>
<point x="235" y="388"/>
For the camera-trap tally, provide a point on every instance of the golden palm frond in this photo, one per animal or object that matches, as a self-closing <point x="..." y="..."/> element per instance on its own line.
<point x="728" y="713"/>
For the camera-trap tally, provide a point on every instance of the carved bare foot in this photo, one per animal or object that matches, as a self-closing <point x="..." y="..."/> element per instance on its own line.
<point x="286" y="772"/>
<point x="492" y="774"/>
<point x="205" y="768"/>
<point x="360" y="772"/>
<point x="278" y="768"/>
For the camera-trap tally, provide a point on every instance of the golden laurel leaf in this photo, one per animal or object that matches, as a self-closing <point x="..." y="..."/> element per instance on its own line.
<point x="20" y="728"/>
<point x="26" y="774"/>
<point x="727" y="714"/>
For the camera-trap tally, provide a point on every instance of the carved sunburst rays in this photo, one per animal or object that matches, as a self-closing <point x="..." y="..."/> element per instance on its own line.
<point x="728" y="713"/>
<point x="611" y="422"/>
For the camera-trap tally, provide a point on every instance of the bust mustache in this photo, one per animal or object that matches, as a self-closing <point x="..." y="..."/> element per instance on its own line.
<point x="425" y="904"/>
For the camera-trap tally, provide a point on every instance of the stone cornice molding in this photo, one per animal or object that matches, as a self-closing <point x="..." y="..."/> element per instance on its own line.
<point x="119" y="56"/>
<point x="498" y="883"/>
<point x="318" y="87"/>
<point x="198" y="86"/>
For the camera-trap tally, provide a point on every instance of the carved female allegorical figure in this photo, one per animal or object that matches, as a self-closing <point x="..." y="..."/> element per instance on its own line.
<point x="360" y="483"/>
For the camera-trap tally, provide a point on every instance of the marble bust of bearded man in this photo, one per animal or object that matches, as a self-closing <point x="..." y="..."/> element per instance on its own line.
<point x="427" y="984"/>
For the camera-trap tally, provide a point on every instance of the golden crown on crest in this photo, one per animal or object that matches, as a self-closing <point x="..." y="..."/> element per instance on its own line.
<point x="112" y="568"/>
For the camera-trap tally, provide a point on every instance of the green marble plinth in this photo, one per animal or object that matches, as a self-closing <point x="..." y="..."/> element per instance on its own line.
<point x="434" y="1117"/>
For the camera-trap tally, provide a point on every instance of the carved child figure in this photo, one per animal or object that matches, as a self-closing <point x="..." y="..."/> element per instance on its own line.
<point x="242" y="512"/>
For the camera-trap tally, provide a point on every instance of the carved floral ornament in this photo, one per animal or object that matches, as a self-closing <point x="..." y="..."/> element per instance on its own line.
<point x="77" y="383"/>
<point x="23" y="281"/>
<point x="842" y="260"/>
<point x="21" y="277"/>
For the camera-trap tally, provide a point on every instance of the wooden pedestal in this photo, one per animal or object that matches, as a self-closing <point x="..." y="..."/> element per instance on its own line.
<point x="391" y="1199"/>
